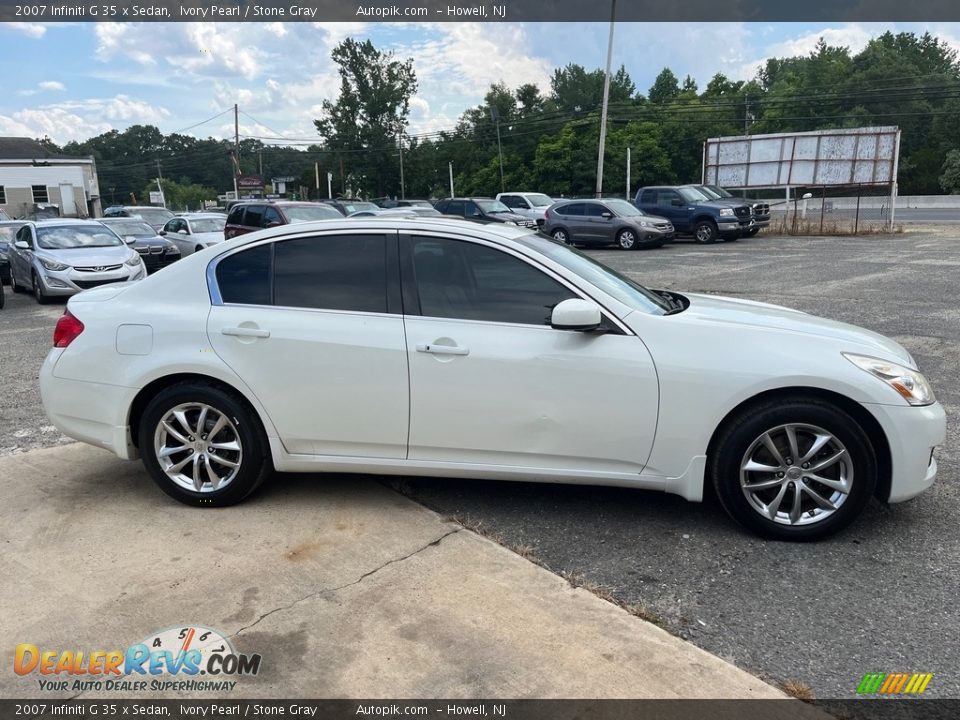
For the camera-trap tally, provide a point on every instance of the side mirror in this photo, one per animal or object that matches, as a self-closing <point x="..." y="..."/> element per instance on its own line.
<point x="162" y="232"/>
<point x="130" y="239"/>
<point x="575" y="314"/>
<point x="21" y="245"/>
<point x="273" y="224"/>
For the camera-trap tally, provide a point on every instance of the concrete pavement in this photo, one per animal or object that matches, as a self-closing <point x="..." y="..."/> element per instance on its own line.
<point x="345" y="588"/>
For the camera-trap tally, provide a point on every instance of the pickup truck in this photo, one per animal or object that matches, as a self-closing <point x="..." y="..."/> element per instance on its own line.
<point x="761" y="208"/>
<point x="694" y="213"/>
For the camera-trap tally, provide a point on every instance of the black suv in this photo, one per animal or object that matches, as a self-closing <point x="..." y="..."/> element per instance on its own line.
<point x="483" y="210"/>
<point x="694" y="213"/>
<point x="253" y="215"/>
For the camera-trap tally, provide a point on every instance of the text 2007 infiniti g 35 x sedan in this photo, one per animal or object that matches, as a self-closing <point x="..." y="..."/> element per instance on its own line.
<point x="437" y="347"/>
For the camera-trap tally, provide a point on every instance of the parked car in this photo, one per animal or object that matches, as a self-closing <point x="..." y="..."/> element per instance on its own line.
<point x="606" y="222"/>
<point x="196" y="231"/>
<point x="409" y="211"/>
<point x="62" y="257"/>
<point x="348" y="207"/>
<point x="318" y="351"/>
<point x="249" y="216"/>
<point x="530" y="205"/>
<point x="693" y="213"/>
<point x="155" y="217"/>
<point x="761" y="208"/>
<point x="8" y="230"/>
<point x="482" y="210"/>
<point x="157" y="252"/>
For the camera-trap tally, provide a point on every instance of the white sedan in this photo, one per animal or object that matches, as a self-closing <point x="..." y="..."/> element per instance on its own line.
<point x="194" y="232"/>
<point x="437" y="347"/>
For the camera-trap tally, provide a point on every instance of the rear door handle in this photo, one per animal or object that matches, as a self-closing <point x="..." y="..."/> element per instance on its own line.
<point x="443" y="349"/>
<point x="246" y="332"/>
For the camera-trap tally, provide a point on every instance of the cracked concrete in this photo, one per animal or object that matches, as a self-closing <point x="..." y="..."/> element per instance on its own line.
<point x="345" y="588"/>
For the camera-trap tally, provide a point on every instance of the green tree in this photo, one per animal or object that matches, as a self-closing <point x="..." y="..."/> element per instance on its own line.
<point x="665" y="88"/>
<point x="363" y="126"/>
<point x="950" y="173"/>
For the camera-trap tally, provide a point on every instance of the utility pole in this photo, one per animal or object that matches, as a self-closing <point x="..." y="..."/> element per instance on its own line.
<point x="402" y="192"/>
<point x="606" y="99"/>
<point x="260" y="159"/>
<point x="628" y="175"/>
<point x="236" y="150"/>
<point x="163" y="200"/>
<point x="495" y="116"/>
<point x="747" y="115"/>
<point x="450" y="168"/>
<point x="316" y="170"/>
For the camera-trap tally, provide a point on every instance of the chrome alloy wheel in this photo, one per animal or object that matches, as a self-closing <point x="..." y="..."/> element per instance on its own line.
<point x="198" y="447"/>
<point x="796" y="474"/>
<point x="627" y="239"/>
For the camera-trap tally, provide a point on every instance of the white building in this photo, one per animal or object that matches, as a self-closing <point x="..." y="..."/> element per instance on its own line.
<point x="33" y="178"/>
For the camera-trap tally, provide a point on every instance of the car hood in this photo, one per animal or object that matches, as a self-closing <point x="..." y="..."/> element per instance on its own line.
<point x="649" y="218"/>
<point x="749" y="313"/>
<point x="508" y="217"/>
<point x="88" y="256"/>
<point x="150" y="242"/>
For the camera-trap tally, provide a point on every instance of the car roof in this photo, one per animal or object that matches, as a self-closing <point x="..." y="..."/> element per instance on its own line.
<point x="48" y="222"/>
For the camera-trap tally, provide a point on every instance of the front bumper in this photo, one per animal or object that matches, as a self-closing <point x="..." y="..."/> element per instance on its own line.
<point x="912" y="433"/>
<point x="73" y="280"/>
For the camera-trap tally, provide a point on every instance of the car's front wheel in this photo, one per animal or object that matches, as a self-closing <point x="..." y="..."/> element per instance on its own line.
<point x="627" y="239"/>
<point x="705" y="231"/>
<point x="795" y="469"/>
<point x="38" y="293"/>
<point x="203" y="445"/>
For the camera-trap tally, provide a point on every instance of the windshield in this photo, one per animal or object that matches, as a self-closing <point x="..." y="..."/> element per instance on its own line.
<point x="630" y="293"/>
<point x="68" y="237"/>
<point x="539" y="200"/>
<point x="692" y="195"/>
<point x="492" y="206"/>
<point x="308" y="213"/>
<point x="623" y="208"/>
<point x="154" y="216"/>
<point x="717" y="190"/>
<point x="126" y="227"/>
<point x="208" y="225"/>
<point x="352" y="207"/>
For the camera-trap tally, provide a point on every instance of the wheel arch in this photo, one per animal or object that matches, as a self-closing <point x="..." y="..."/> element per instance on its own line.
<point x="153" y="388"/>
<point x="864" y="418"/>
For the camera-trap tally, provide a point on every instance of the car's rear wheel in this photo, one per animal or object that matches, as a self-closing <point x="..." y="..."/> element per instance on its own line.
<point x="38" y="293"/>
<point x="203" y="445"/>
<point x="561" y="235"/>
<point x="627" y="239"/>
<point x="705" y="231"/>
<point x="795" y="469"/>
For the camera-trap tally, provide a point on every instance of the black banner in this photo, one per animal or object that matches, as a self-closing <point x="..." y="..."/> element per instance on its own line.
<point x="483" y="11"/>
<point x="873" y="709"/>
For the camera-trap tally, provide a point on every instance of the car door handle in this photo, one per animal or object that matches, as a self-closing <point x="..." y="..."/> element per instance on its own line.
<point x="443" y="349"/>
<point x="246" y="332"/>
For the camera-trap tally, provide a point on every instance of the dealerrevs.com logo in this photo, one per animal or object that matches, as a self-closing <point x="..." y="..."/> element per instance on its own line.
<point x="185" y="658"/>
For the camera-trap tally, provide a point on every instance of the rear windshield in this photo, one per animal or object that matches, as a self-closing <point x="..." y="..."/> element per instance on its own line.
<point x="126" y="227"/>
<point x="208" y="225"/>
<point x="154" y="216"/>
<point x="307" y="213"/>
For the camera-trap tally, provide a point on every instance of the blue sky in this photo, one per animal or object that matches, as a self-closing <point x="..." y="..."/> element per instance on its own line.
<point x="73" y="81"/>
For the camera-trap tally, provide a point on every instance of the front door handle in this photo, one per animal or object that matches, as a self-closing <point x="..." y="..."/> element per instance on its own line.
<point x="442" y="349"/>
<point x="246" y="332"/>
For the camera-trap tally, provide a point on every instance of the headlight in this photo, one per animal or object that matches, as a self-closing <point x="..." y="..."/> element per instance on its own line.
<point x="133" y="260"/>
<point x="911" y="385"/>
<point x="53" y="265"/>
<point x="644" y="223"/>
<point x="726" y="212"/>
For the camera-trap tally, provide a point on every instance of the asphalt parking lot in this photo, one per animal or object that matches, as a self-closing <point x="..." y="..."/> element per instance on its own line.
<point x="879" y="597"/>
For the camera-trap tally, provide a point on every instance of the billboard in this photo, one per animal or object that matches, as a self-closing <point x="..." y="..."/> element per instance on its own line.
<point x="851" y="156"/>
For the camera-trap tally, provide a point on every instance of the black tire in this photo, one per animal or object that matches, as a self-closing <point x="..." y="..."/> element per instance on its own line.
<point x="752" y="231"/>
<point x="627" y="239"/>
<point x="561" y="235"/>
<point x="14" y="285"/>
<point x="705" y="231"/>
<point x="254" y="460"/>
<point x="856" y="468"/>
<point x="2" y="296"/>
<point x="38" y="290"/>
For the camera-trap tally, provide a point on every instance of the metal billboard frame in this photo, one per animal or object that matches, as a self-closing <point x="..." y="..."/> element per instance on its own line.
<point x="840" y="157"/>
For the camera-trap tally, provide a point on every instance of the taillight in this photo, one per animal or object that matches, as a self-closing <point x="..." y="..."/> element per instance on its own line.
<point x="67" y="330"/>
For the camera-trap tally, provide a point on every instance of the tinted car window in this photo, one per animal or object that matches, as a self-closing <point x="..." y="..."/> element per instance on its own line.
<point x="594" y="210"/>
<point x="454" y="207"/>
<point x="270" y="215"/>
<point x="332" y="273"/>
<point x="467" y="281"/>
<point x="254" y="216"/>
<point x="236" y="216"/>
<point x="244" y="277"/>
<point x="571" y="209"/>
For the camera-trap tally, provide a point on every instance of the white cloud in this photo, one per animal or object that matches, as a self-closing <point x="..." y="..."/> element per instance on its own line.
<point x="34" y="30"/>
<point x="81" y="119"/>
<point x="51" y="85"/>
